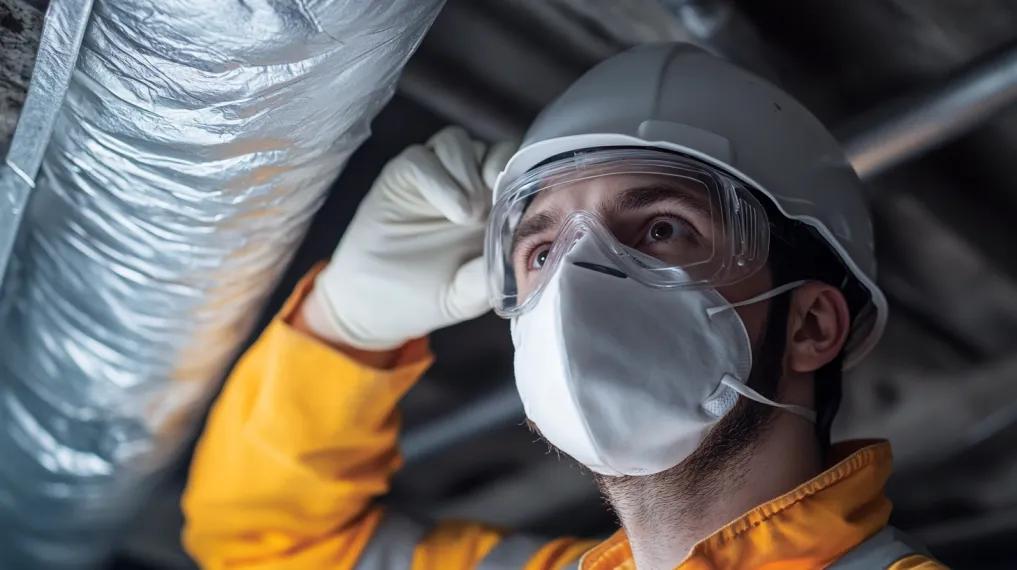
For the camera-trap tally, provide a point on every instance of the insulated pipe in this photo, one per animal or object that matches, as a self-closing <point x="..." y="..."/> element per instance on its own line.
<point x="497" y="409"/>
<point x="906" y="128"/>
<point x="875" y="142"/>
<point x="196" y="140"/>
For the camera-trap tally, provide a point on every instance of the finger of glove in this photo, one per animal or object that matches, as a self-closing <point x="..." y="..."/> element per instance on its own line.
<point x="418" y="175"/>
<point x="466" y="296"/>
<point x="495" y="161"/>
<point x="459" y="155"/>
<point x="479" y="150"/>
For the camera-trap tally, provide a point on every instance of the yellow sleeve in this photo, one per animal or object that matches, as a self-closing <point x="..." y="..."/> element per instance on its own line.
<point x="296" y="447"/>
<point x="299" y="443"/>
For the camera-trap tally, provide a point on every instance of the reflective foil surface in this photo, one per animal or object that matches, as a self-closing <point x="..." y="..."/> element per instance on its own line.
<point x="196" y="140"/>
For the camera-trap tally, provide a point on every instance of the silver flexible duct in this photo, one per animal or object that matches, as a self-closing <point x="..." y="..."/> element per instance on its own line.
<point x="196" y="140"/>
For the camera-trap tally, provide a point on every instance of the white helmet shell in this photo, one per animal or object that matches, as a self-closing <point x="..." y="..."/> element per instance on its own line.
<point x="678" y="97"/>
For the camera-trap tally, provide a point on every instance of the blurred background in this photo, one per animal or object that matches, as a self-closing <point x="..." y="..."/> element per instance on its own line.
<point x="891" y="78"/>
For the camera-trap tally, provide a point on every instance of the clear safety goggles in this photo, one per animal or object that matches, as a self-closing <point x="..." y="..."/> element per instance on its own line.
<point x="660" y="218"/>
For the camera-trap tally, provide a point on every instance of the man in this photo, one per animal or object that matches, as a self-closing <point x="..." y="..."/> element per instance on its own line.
<point x="686" y="259"/>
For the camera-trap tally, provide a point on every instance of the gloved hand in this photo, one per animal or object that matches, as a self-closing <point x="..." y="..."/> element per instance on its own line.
<point x="411" y="260"/>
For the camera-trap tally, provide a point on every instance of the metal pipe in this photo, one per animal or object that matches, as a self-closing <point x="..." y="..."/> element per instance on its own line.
<point x="196" y="140"/>
<point x="458" y="104"/>
<point x="720" y="27"/>
<point x="886" y="137"/>
<point x="497" y="409"/>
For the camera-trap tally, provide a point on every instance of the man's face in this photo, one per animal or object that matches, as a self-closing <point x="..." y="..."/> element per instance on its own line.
<point x="673" y="219"/>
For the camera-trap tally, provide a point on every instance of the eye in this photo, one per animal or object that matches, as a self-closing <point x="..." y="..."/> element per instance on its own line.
<point x="664" y="229"/>
<point x="538" y="257"/>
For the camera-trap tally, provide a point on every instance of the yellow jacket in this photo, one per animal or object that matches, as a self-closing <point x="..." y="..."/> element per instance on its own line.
<point x="303" y="439"/>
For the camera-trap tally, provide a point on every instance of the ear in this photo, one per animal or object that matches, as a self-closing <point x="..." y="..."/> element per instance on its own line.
<point x="818" y="326"/>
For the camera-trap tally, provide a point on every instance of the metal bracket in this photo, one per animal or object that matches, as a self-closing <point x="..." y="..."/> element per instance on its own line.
<point x="62" y="33"/>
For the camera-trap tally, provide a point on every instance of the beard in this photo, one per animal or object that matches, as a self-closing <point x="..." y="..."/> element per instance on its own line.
<point x="685" y="491"/>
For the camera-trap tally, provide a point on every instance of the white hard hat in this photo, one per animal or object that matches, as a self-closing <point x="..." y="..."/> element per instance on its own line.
<point x="680" y="98"/>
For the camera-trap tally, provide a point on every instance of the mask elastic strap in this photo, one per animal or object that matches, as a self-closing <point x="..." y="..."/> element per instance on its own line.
<point x="740" y="387"/>
<point x="751" y="394"/>
<point x="761" y="297"/>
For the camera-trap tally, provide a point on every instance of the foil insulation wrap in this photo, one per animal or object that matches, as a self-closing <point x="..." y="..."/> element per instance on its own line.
<point x="196" y="140"/>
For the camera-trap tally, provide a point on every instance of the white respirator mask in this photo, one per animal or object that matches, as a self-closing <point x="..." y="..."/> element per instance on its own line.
<point x="626" y="378"/>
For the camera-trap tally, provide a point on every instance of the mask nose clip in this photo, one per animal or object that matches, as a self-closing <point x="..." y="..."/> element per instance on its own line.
<point x="601" y="269"/>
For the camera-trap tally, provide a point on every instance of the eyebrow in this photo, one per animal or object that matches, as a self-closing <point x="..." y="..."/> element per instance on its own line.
<point x="535" y="225"/>
<point x="630" y="199"/>
<point x="645" y="196"/>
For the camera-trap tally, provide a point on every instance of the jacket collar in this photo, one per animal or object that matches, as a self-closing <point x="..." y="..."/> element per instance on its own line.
<point x="811" y="525"/>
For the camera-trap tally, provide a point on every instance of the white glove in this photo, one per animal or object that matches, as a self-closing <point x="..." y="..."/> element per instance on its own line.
<point x="412" y="259"/>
